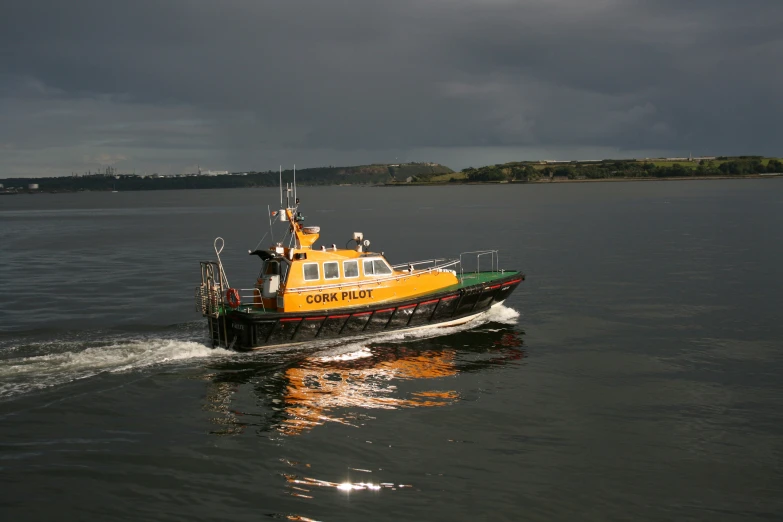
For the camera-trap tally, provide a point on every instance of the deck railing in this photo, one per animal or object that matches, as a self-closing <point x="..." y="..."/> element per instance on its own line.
<point x="414" y="264"/>
<point x="494" y="261"/>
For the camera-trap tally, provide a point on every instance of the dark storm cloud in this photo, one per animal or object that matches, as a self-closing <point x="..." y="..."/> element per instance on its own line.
<point x="245" y="84"/>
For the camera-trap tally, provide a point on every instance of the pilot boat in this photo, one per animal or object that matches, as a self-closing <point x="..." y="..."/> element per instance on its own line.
<point x="305" y="293"/>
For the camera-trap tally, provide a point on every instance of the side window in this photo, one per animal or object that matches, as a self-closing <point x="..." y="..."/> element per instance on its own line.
<point x="331" y="270"/>
<point x="368" y="267"/>
<point x="380" y="267"/>
<point x="272" y="268"/>
<point x="351" y="268"/>
<point x="310" y="271"/>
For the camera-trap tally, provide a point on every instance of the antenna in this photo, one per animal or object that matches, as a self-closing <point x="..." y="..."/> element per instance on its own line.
<point x="269" y="214"/>
<point x="295" y="183"/>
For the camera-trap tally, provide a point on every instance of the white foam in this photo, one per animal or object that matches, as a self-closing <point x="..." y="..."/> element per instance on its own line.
<point x="358" y="348"/>
<point x="23" y="374"/>
<point x="502" y="314"/>
<point x="348" y="356"/>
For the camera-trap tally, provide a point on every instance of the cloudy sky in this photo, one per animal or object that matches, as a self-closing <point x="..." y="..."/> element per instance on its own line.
<point x="164" y="85"/>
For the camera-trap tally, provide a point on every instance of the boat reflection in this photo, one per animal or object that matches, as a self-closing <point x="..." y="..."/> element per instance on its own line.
<point x="290" y="395"/>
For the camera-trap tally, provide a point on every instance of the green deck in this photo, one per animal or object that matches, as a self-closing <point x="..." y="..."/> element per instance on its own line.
<point x="469" y="279"/>
<point x="476" y="278"/>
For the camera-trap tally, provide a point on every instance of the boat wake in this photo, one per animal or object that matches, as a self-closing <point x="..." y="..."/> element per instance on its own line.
<point x="40" y="365"/>
<point x="31" y="366"/>
<point x="357" y="349"/>
<point x="501" y="314"/>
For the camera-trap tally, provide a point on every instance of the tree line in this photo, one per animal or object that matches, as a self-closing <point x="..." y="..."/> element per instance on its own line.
<point x="356" y="175"/>
<point x="623" y="169"/>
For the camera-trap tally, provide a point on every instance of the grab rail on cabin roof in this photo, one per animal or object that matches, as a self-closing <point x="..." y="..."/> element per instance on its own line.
<point x="417" y="263"/>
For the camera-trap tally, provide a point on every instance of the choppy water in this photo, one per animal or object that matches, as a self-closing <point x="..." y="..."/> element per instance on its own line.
<point x="634" y="375"/>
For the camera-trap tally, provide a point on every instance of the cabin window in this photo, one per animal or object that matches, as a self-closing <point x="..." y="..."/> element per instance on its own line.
<point x="368" y="267"/>
<point x="380" y="267"/>
<point x="376" y="267"/>
<point x="332" y="270"/>
<point x="351" y="269"/>
<point x="310" y="271"/>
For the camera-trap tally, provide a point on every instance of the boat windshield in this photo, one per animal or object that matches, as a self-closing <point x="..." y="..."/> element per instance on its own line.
<point x="273" y="267"/>
<point x="376" y="267"/>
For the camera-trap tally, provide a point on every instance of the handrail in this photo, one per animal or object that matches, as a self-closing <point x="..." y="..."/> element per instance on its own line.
<point x="494" y="260"/>
<point x="223" y="278"/>
<point x="415" y="263"/>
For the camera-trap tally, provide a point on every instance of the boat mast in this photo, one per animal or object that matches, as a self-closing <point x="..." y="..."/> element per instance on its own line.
<point x="269" y="215"/>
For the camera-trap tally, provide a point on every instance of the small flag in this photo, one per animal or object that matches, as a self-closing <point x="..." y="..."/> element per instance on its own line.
<point x="274" y="213"/>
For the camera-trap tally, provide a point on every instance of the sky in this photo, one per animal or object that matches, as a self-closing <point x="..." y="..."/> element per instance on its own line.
<point x="168" y="85"/>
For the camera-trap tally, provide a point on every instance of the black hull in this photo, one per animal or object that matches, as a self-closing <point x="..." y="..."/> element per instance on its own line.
<point x="248" y="331"/>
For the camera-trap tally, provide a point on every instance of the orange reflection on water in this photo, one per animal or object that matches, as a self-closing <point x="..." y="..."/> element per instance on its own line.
<point x="300" y="518"/>
<point x="316" y="390"/>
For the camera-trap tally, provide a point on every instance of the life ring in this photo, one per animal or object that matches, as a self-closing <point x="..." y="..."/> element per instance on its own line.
<point x="232" y="297"/>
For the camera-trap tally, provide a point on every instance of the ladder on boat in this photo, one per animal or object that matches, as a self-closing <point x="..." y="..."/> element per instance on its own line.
<point x="210" y="301"/>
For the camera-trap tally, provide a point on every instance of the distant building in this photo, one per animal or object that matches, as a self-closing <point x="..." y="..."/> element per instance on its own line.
<point x="32" y="186"/>
<point x="408" y="179"/>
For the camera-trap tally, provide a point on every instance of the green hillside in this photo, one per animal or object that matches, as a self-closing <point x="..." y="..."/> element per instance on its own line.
<point x="609" y="169"/>
<point x="354" y="175"/>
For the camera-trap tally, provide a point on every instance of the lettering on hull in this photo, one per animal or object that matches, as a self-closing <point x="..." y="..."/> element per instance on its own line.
<point x="334" y="297"/>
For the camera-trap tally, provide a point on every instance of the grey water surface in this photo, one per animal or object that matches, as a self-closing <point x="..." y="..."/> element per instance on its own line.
<point x="635" y="375"/>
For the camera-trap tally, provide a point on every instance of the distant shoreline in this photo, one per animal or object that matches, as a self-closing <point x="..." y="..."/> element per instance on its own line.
<point x="424" y="184"/>
<point x="417" y="175"/>
<point x="560" y="181"/>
